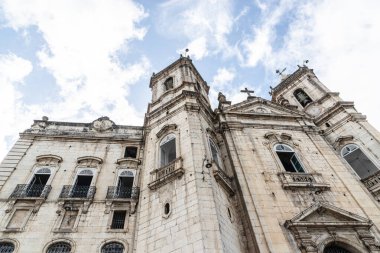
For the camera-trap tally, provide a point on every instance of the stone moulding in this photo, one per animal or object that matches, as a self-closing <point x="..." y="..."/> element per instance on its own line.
<point x="373" y="185"/>
<point x="166" y="174"/>
<point x="166" y="129"/>
<point x="49" y="159"/>
<point x="323" y="223"/>
<point x="128" y="162"/>
<point x="294" y="180"/>
<point x="89" y="159"/>
<point x="223" y="179"/>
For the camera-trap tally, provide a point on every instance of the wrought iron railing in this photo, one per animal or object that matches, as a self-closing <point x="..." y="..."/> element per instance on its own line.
<point x="30" y="191"/>
<point x="115" y="192"/>
<point x="77" y="191"/>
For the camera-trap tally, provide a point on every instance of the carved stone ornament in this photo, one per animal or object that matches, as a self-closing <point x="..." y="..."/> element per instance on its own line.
<point x="323" y="223"/>
<point x="165" y="129"/>
<point x="102" y="124"/>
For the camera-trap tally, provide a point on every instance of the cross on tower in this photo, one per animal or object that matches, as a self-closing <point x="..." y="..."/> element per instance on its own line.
<point x="247" y="91"/>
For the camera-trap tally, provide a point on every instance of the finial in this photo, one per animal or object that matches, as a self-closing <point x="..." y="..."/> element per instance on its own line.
<point x="280" y="72"/>
<point x="248" y="92"/>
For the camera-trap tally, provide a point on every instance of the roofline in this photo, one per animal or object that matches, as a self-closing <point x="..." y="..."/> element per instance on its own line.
<point x="83" y="124"/>
<point x="291" y="78"/>
<point x="171" y="66"/>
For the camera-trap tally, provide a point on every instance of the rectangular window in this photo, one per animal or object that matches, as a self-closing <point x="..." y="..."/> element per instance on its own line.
<point x="130" y="152"/>
<point x="118" y="219"/>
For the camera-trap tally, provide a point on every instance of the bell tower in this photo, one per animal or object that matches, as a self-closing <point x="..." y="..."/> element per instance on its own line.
<point x="182" y="206"/>
<point x="339" y="122"/>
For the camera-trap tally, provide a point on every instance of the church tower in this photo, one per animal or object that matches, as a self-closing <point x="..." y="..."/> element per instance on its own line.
<point x="187" y="201"/>
<point x="346" y="129"/>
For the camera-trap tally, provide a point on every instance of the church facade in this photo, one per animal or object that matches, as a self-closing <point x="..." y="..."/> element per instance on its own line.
<point x="297" y="173"/>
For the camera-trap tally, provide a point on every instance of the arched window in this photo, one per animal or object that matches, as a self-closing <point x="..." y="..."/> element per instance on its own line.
<point x="82" y="183"/>
<point x="6" y="247"/>
<point x="335" y="249"/>
<point x="288" y="158"/>
<point x="167" y="150"/>
<point x="302" y="97"/>
<point x="38" y="182"/>
<point x="59" y="247"/>
<point x="125" y="184"/>
<point x="113" y="247"/>
<point x="358" y="160"/>
<point x="168" y="83"/>
<point x="215" y="153"/>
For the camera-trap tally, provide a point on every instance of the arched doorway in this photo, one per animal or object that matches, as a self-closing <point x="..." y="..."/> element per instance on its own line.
<point x="333" y="248"/>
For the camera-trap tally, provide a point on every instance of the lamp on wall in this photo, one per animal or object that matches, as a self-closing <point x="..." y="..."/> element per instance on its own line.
<point x="208" y="164"/>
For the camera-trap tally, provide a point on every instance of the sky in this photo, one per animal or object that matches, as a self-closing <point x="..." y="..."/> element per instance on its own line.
<point x="76" y="60"/>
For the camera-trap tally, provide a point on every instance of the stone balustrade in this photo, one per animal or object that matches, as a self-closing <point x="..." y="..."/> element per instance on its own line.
<point x="291" y="180"/>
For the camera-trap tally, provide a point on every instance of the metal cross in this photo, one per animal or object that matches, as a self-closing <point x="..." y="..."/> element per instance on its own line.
<point x="247" y="91"/>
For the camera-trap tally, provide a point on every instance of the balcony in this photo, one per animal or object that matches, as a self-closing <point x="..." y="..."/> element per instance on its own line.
<point x="373" y="185"/>
<point x="116" y="193"/>
<point x="166" y="174"/>
<point x="293" y="180"/>
<point x="79" y="192"/>
<point x="223" y="179"/>
<point x="30" y="191"/>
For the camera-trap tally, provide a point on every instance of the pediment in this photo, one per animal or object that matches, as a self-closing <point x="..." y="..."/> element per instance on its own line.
<point x="324" y="214"/>
<point x="261" y="106"/>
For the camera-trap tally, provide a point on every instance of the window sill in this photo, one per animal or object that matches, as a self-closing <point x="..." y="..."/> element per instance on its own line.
<point x="294" y="180"/>
<point x="113" y="230"/>
<point x="166" y="174"/>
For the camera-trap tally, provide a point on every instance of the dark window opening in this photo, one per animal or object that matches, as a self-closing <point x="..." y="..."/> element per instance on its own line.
<point x="168" y="83"/>
<point x="124" y="187"/>
<point x="335" y="249"/>
<point x="118" y="219"/>
<point x="6" y="247"/>
<point x="167" y="208"/>
<point x="59" y="247"/>
<point x="302" y="97"/>
<point x="81" y="187"/>
<point x="130" y="152"/>
<point x="361" y="164"/>
<point x="168" y="152"/>
<point x="113" y="247"/>
<point x="229" y="213"/>
<point x="37" y="185"/>
<point x="289" y="159"/>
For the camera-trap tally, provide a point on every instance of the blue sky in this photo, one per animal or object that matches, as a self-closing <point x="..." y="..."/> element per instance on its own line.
<point x="79" y="60"/>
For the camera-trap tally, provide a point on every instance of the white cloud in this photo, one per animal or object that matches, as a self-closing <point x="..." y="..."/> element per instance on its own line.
<point x="340" y="38"/>
<point x="13" y="71"/>
<point x="258" y="47"/>
<point x="206" y="24"/>
<point x="83" y="40"/>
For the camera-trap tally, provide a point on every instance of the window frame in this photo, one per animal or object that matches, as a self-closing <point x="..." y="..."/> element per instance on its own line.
<point x="296" y="97"/>
<point x="369" y="157"/>
<point x="105" y="242"/>
<point x="164" y="83"/>
<point x="161" y="143"/>
<point x="211" y="143"/>
<point x="71" y="243"/>
<point x="291" y="150"/>
<point x="15" y="243"/>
